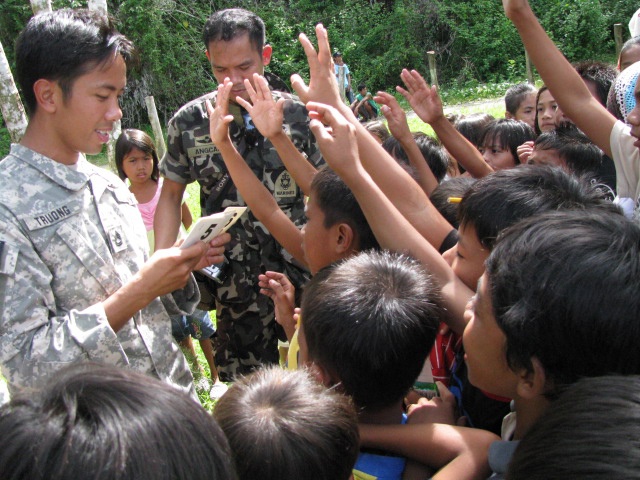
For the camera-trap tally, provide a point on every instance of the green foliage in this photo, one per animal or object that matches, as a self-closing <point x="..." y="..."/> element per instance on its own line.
<point x="476" y="47"/>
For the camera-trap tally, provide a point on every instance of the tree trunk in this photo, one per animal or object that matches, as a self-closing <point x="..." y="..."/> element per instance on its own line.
<point x="12" y="109"/>
<point x="40" y="6"/>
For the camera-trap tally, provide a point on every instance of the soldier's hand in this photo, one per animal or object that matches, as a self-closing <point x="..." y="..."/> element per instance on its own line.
<point x="215" y="251"/>
<point x="219" y="118"/>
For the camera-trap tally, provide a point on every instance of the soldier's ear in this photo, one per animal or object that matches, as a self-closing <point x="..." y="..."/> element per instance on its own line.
<point x="267" y="51"/>
<point x="48" y="94"/>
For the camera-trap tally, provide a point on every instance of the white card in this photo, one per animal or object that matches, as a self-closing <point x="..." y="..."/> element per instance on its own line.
<point x="209" y="227"/>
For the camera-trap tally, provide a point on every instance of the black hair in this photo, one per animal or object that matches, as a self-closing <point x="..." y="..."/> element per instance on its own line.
<point x="371" y="321"/>
<point x="454" y="187"/>
<point x="564" y="287"/>
<point x="378" y="129"/>
<point x="601" y="74"/>
<point x="591" y="432"/>
<point x="226" y="25"/>
<point x="515" y="96"/>
<point x="102" y="422"/>
<point x="508" y="134"/>
<point x="501" y="199"/>
<point x="434" y="154"/>
<point x="339" y="205"/>
<point x="579" y="153"/>
<point x="472" y="126"/>
<point x="284" y="424"/>
<point x="128" y="140"/>
<point x="63" y="45"/>
<point x="361" y="86"/>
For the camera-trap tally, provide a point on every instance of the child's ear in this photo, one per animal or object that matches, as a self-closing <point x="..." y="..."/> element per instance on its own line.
<point x="323" y="375"/>
<point x="508" y="115"/>
<point x="345" y="238"/>
<point x="532" y="383"/>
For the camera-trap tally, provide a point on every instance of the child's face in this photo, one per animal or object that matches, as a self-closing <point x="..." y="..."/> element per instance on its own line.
<point x="497" y="156"/>
<point x="546" y="109"/>
<point x="467" y="257"/>
<point x="485" y="346"/>
<point x="526" y="112"/>
<point x="137" y="166"/>
<point x="630" y="56"/>
<point x="546" y="157"/>
<point x="317" y="240"/>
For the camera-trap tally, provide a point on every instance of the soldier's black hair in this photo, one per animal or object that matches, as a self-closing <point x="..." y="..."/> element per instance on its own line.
<point x="225" y="25"/>
<point x="63" y="45"/>
<point x="99" y="421"/>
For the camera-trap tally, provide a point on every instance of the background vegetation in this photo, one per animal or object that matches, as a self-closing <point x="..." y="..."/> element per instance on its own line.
<point x="478" y="50"/>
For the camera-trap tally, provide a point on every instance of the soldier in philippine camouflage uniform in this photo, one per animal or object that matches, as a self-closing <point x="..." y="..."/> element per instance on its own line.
<point x="246" y="335"/>
<point x="76" y="283"/>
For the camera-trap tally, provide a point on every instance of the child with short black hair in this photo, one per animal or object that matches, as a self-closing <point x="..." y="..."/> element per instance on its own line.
<point x="500" y="141"/>
<point x="99" y="421"/>
<point x="520" y="103"/>
<point x="367" y="326"/>
<point x="284" y="424"/>
<point x="571" y="441"/>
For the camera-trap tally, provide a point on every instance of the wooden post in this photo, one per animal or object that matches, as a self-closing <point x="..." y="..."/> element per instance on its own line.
<point x="40" y="6"/>
<point x="529" y="69"/>
<point x="161" y="148"/>
<point x="433" y="71"/>
<point x="12" y="108"/>
<point x="617" y="34"/>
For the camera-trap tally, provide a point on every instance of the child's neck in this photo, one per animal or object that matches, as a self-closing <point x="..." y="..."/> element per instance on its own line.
<point x="391" y="415"/>
<point x="144" y="192"/>
<point x="528" y="411"/>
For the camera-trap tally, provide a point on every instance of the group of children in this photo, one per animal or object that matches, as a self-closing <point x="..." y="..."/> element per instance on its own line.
<point x="518" y="315"/>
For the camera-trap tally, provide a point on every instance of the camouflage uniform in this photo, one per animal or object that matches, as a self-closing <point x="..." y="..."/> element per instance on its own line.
<point x="69" y="238"/>
<point x="246" y="330"/>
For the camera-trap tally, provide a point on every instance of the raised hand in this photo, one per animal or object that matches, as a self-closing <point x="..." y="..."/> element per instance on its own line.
<point x="323" y="86"/>
<point x="424" y="99"/>
<point x="337" y="143"/>
<point x="514" y="6"/>
<point x="396" y="118"/>
<point x="279" y="288"/>
<point x="219" y="118"/>
<point x="266" y="113"/>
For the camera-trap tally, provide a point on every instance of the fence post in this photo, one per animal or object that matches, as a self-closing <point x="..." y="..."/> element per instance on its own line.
<point x="433" y="71"/>
<point x="341" y="75"/>
<point x="155" y="125"/>
<point x="38" y="6"/>
<point x="617" y="34"/>
<point x="529" y="69"/>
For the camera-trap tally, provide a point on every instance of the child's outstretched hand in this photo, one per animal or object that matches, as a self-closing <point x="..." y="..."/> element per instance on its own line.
<point x="513" y="6"/>
<point x="337" y="141"/>
<point x="323" y="86"/>
<point x="219" y="118"/>
<point x="424" y="99"/>
<point x="266" y="113"/>
<point x="396" y="118"/>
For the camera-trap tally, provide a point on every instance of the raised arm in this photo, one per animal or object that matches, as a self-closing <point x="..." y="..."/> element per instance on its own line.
<point x="254" y="193"/>
<point x="392" y="179"/>
<point x="397" y="121"/>
<point x="569" y="90"/>
<point x="426" y="102"/>
<point x="391" y="228"/>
